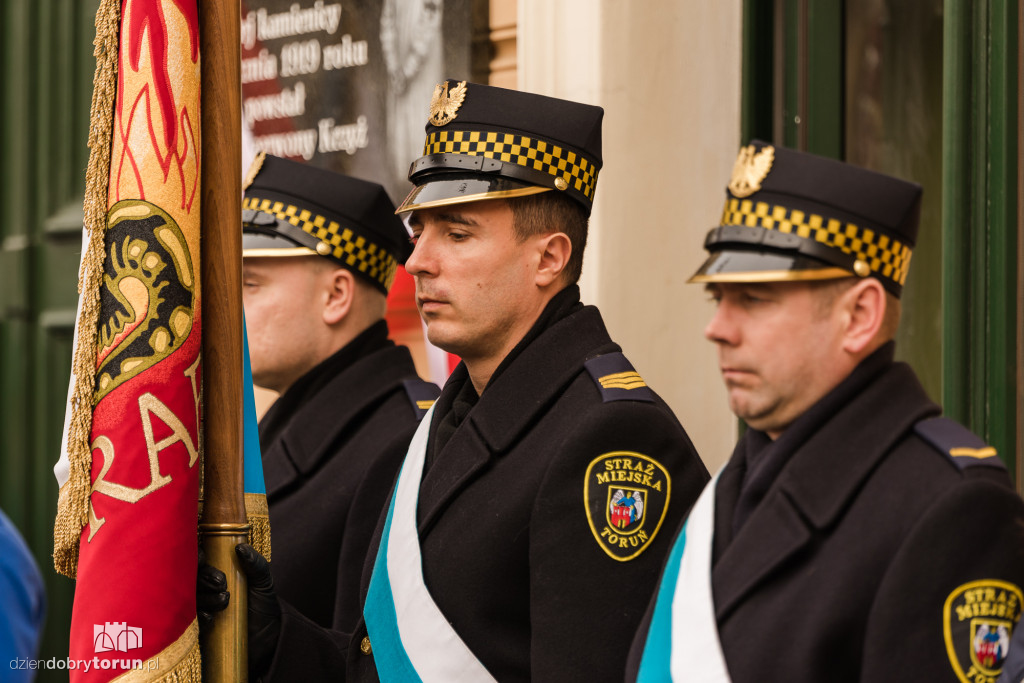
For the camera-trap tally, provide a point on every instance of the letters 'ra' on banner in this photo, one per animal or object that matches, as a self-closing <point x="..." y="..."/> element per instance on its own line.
<point x="129" y="475"/>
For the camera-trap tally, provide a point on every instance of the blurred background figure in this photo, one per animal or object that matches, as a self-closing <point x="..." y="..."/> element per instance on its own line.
<point x="22" y="604"/>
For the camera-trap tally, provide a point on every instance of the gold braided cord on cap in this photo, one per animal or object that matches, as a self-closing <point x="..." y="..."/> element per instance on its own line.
<point x="576" y="170"/>
<point x="73" y="500"/>
<point x="885" y="256"/>
<point x="178" y="663"/>
<point x="355" y="251"/>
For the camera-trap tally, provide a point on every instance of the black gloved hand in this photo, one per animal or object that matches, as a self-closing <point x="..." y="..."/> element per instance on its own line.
<point x="211" y="591"/>
<point x="264" y="610"/>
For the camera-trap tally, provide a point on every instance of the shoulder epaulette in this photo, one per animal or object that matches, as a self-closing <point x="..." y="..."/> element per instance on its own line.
<point x="421" y="395"/>
<point x="958" y="443"/>
<point x="617" y="379"/>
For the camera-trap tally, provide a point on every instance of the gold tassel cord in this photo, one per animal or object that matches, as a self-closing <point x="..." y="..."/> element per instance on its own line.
<point x="73" y="503"/>
<point x="258" y="515"/>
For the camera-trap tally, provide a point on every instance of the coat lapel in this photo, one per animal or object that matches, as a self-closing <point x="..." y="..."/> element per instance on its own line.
<point x="818" y="483"/>
<point x="315" y="429"/>
<point x="509" y="406"/>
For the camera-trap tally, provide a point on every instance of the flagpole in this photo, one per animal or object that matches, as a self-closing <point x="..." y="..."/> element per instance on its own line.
<point x="223" y="524"/>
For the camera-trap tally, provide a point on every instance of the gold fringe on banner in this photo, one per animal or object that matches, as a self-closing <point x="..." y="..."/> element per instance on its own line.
<point x="178" y="663"/>
<point x="258" y="515"/>
<point x="73" y="503"/>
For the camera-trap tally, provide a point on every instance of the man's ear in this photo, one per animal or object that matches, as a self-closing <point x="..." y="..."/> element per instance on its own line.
<point x="554" y="249"/>
<point x="339" y="290"/>
<point x="863" y="307"/>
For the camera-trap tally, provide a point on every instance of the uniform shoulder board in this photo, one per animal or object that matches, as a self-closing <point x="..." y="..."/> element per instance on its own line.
<point x="958" y="443"/>
<point x="421" y="395"/>
<point x="617" y="379"/>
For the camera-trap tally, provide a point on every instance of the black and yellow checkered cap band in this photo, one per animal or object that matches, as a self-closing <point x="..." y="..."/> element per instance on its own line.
<point x="885" y="256"/>
<point x="345" y="246"/>
<point x="575" y="170"/>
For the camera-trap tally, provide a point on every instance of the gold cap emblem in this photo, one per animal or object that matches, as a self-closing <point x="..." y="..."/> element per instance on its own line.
<point x="254" y="169"/>
<point x="444" y="104"/>
<point x="750" y="170"/>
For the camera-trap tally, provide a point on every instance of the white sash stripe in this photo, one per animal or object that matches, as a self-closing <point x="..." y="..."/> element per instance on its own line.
<point x="696" y="650"/>
<point x="434" y="648"/>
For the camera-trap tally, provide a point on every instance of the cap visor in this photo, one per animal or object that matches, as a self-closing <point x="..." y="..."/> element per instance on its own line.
<point x="442" y="191"/>
<point x="731" y="265"/>
<point x="264" y="244"/>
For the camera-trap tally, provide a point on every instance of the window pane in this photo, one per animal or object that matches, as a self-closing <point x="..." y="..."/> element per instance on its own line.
<point x="894" y="125"/>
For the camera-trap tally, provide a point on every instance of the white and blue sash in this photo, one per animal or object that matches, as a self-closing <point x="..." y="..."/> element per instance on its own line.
<point x="411" y="639"/>
<point x="682" y="643"/>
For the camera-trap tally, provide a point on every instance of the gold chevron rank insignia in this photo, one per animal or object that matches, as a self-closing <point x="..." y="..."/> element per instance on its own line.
<point x="622" y="380"/>
<point x="617" y="379"/>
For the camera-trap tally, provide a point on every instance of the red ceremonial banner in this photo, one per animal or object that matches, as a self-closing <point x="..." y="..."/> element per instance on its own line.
<point x="134" y="607"/>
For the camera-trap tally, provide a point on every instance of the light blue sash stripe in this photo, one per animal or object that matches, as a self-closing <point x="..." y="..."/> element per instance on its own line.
<point x="654" y="666"/>
<point x="252" y="460"/>
<point x="393" y="664"/>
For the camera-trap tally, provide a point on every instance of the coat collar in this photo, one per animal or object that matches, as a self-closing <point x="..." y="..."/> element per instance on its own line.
<point x="509" y="406"/>
<point x="819" y="481"/>
<point x="311" y="434"/>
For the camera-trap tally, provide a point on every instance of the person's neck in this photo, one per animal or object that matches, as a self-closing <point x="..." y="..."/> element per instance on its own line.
<point x="482" y="369"/>
<point x="332" y="343"/>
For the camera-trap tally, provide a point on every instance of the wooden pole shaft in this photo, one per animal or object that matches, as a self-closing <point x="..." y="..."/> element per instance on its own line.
<point x="224" y="522"/>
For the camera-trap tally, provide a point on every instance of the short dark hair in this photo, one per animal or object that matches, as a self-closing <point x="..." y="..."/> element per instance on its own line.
<point x="545" y="212"/>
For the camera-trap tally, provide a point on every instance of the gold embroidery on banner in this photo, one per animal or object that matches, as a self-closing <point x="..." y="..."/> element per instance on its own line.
<point x="178" y="663"/>
<point x="152" y="293"/>
<point x="148" y="405"/>
<point x="750" y="170"/>
<point x="445" y="104"/>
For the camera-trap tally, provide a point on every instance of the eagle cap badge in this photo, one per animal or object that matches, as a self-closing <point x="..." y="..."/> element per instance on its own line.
<point x="750" y="170"/>
<point x="445" y="104"/>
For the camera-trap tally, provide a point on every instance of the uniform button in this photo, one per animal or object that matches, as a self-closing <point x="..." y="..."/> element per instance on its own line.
<point x="364" y="646"/>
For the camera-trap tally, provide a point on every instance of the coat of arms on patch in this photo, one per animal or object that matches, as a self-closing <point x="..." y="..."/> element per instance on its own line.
<point x="626" y="496"/>
<point x="626" y="508"/>
<point x="978" y="620"/>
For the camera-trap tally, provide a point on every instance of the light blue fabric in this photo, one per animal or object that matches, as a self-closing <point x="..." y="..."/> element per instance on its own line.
<point x="655" y="665"/>
<point x="22" y="603"/>
<point x="253" y="470"/>
<point x="393" y="664"/>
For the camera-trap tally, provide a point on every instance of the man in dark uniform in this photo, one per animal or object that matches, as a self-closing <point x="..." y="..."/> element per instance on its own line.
<point x="854" y="535"/>
<point x="320" y="252"/>
<point x="498" y="557"/>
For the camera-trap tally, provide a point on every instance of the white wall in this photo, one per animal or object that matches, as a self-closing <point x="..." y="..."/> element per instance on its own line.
<point x="667" y="73"/>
